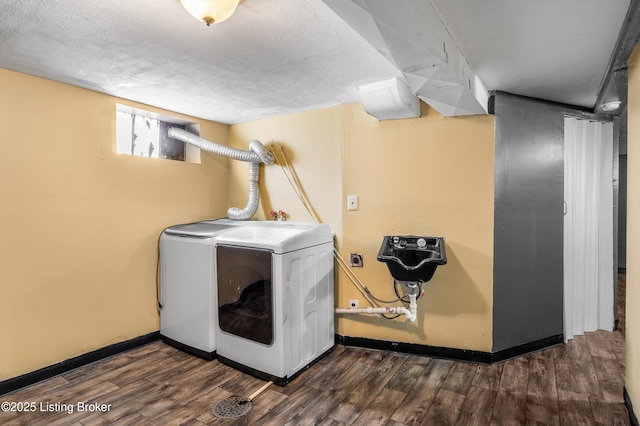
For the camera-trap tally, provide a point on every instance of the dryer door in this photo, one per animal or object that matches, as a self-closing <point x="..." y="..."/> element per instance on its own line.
<point x="245" y="295"/>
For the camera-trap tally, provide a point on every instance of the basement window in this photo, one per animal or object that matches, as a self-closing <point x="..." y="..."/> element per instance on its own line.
<point x="144" y="134"/>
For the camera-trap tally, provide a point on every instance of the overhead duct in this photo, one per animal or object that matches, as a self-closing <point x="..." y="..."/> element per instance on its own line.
<point x="389" y="100"/>
<point x="613" y="88"/>
<point x="411" y="35"/>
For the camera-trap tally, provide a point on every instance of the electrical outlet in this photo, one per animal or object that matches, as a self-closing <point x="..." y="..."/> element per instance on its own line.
<point x="353" y="303"/>
<point x="355" y="260"/>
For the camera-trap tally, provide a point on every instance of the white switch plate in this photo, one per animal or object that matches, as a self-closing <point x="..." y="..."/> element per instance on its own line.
<point x="352" y="202"/>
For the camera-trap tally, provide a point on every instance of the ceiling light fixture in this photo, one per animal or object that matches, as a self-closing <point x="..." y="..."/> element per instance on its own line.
<point x="610" y="106"/>
<point x="210" y="11"/>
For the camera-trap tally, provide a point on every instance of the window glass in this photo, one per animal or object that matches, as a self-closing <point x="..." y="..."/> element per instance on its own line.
<point x="144" y="134"/>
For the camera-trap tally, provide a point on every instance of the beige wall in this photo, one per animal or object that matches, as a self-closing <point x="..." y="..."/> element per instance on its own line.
<point x="312" y="142"/>
<point x="79" y="223"/>
<point x="428" y="176"/>
<point x="632" y="338"/>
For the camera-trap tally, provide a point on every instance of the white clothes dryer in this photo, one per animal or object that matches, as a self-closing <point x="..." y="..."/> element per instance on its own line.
<point x="275" y="297"/>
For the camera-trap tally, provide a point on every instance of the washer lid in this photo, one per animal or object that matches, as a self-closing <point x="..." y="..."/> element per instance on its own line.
<point x="197" y="230"/>
<point x="281" y="237"/>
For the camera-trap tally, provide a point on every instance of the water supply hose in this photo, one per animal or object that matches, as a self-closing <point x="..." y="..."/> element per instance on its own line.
<point x="296" y="185"/>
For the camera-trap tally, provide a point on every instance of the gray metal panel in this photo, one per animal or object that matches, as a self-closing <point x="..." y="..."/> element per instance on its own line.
<point x="622" y="216"/>
<point x="621" y="124"/>
<point x="528" y="235"/>
<point x="616" y="206"/>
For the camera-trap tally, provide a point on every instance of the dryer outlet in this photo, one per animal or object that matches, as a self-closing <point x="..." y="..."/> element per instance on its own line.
<point x="355" y="260"/>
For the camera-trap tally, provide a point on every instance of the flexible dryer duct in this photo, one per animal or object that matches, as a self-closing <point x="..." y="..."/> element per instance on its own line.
<point x="257" y="154"/>
<point x="235" y="213"/>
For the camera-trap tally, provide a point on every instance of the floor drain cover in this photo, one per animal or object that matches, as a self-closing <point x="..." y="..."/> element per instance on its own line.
<point x="231" y="407"/>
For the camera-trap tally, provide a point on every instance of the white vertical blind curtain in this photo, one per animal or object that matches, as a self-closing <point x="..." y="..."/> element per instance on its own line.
<point x="588" y="227"/>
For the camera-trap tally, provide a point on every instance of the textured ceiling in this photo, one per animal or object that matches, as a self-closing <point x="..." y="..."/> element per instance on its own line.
<point x="271" y="57"/>
<point x="275" y="57"/>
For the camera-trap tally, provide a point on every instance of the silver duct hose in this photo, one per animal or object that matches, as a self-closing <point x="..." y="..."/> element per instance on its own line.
<point x="235" y="213"/>
<point x="262" y="152"/>
<point x="257" y="154"/>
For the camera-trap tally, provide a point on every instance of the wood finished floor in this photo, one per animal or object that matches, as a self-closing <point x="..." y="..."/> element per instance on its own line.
<point x="580" y="383"/>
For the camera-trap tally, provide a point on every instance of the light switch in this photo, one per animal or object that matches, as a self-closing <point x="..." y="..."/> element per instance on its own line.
<point x="352" y="202"/>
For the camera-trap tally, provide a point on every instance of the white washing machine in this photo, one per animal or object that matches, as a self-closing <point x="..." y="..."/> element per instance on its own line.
<point x="188" y="296"/>
<point x="275" y="297"/>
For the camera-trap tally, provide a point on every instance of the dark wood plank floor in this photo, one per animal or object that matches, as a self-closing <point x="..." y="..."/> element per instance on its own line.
<point x="580" y="383"/>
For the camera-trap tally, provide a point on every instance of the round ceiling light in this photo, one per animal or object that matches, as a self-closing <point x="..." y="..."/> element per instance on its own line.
<point x="210" y="11"/>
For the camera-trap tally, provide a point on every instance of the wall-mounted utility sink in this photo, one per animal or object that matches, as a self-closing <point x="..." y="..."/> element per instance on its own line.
<point x="412" y="258"/>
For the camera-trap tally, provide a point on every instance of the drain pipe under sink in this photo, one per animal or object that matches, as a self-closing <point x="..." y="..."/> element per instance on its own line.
<point x="411" y="313"/>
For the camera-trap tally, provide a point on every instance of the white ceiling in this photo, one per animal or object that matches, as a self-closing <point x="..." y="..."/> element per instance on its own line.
<point x="275" y="57"/>
<point x="556" y="50"/>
